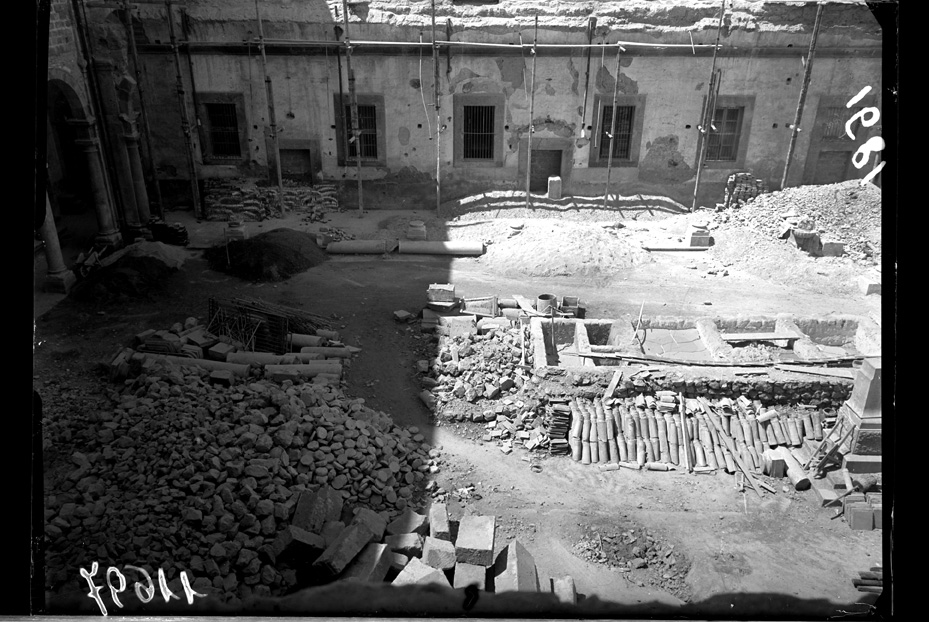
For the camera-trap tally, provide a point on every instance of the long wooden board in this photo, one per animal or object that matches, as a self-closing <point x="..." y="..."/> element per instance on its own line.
<point x="758" y="336"/>
<point x="526" y="305"/>
<point x="729" y="445"/>
<point x="835" y="372"/>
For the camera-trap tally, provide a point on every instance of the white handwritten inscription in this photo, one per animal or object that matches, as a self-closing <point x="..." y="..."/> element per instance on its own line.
<point x="873" y="144"/>
<point x="144" y="593"/>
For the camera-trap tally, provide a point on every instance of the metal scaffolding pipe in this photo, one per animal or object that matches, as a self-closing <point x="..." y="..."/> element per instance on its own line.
<point x="354" y="107"/>
<point x="446" y="43"/>
<point x="803" y="90"/>
<point x="531" y="106"/>
<point x="438" y="120"/>
<point x="146" y="128"/>
<point x="613" y="115"/>
<point x="591" y="25"/>
<point x="272" y="120"/>
<point x="185" y="121"/>
<point x="701" y="151"/>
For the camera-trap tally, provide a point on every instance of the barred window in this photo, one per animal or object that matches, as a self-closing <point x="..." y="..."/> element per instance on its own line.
<point x="223" y="131"/>
<point x="367" y="128"/>
<point x="622" y="141"/>
<point x="834" y="124"/>
<point x="723" y="142"/>
<point x="478" y="132"/>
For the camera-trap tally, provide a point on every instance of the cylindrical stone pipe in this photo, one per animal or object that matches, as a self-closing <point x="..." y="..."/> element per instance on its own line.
<point x="753" y="424"/>
<point x="756" y="457"/>
<point x="298" y="340"/>
<point x="817" y="425"/>
<point x="795" y="472"/>
<point x="652" y="424"/>
<point x="650" y="453"/>
<point x="630" y="421"/>
<point x="237" y="370"/>
<point x="640" y="452"/>
<point x="656" y="466"/>
<point x="793" y="432"/>
<point x="729" y="461"/>
<point x="594" y="444"/>
<point x="631" y="449"/>
<point x="699" y="455"/>
<point x="759" y="447"/>
<point x="779" y="434"/>
<point x="663" y="439"/>
<point x="720" y="458"/>
<point x="736" y="431"/>
<point x="807" y="427"/>
<point x="617" y="419"/>
<point x="724" y="424"/>
<point x="769" y="432"/>
<point x="328" y="352"/>
<point x="575" y="448"/>
<point x="761" y="433"/>
<point x="614" y="451"/>
<point x="672" y="437"/>
<point x="331" y="335"/>
<point x="642" y="429"/>
<point x="585" y="440"/>
<point x="746" y="431"/>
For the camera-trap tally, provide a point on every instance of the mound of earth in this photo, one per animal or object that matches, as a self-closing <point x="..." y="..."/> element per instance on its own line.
<point x="271" y="256"/>
<point x="132" y="276"/>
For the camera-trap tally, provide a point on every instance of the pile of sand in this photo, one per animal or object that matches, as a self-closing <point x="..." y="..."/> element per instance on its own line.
<point x="271" y="256"/>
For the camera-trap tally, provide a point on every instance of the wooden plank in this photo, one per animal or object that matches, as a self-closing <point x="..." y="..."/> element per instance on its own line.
<point x="526" y="306"/>
<point x="758" y="336"/>
<point x="617" y="376"/>
<point x="676" y="248"/>
<point x="817" y="371"/>
<point x="732" y="450"/>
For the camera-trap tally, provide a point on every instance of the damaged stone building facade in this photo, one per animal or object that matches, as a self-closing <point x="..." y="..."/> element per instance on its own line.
<point x="483" y="95"/>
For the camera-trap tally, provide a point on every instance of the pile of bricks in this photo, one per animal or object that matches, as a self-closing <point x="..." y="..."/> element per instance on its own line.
<point x="743" y="187"/>
<point x="241" y="199"/>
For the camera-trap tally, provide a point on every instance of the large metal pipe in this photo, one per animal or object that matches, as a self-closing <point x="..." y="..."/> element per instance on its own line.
<point x="272" y="119"/>
<point x="531" y="106"/>
<point x="354" y="107"/>
<point x="460" y="247"/>
<point x="609" y="161"/>
<point x="185" y="120"/>
<point x="795" y="128"/>
<point x="146" y="128"/>
<point x="707" y="111"/>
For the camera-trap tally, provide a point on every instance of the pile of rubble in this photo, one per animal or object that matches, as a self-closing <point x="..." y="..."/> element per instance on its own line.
<point x="242" y="199"/>
<point x="184" y="473"/>
<point x="847" y="214"/>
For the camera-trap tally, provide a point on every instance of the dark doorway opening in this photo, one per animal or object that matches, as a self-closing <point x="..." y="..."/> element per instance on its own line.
<point x="545" y="163"/>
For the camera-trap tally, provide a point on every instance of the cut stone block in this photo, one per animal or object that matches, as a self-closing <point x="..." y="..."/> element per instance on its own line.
<point x="565" y="590"/>
<point x="878" y="515"/>
<point x="222" y="377"/>
<point x="439" y="554"/>
<point x="515" y="570"/>
<point x="866" y="442"/>
<point x="856" y="463"/>
<point x="219" y="351"/>
<point x="374" y="521"/>
<point x="438" y="522"/>
<point x="409" y="522"/>
<point x="554" y="187"/>
<point x="475" y="543"/>
<point x="409" y="544"/>
<point x="331" y="531"/>
<point x="866" y="393"/>
<point x="296" y="544"/>
<point x="403" y="316"/>
<point x="315" y="509"/>
<point x="469" y="574"/>
<point x="346" y="547"/>
<point x="371" y="565"/>
<point x="441" y="292"/>
<point x="869" y="285"/>
<point x="833" y="248"/>
<point x="398" y="561"/>
<point x="418" y="573"/>
<point x="860" y="516"/>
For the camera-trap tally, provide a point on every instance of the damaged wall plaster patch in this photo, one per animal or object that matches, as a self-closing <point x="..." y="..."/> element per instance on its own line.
<point x="403" y="135"/>
<point x="663" y="163"/>
<point x="605" y="83"/>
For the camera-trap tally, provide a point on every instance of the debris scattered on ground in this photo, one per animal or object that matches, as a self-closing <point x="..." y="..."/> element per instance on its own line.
<point x="271" y="256"/>
<point x="133" y="272"/>
<point x="742" y="187"/>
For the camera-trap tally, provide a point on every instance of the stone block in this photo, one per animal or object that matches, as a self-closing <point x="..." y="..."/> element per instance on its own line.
<point x="699" y="240"/>
<point x="295" y="544"/>
<point x="833" y="248"/>
<point x="371" y="564"/>
<point x="866" y="442"/>
<point x="866" y="392"/>
<point x="418" y="573"/>
<point x="331" y="531"/>
<point x="344" y="549"/>
<point x="141" y="337"/>
<point x="515" y="571"/>
<point x="202" y="339"/>
<point x="565" y="590"/>
<point x="438" y="522"/>
<point x="439" y="554"/>
<point x="860" y="516"/>
<point x="403" y="316"/>
<point x="869" y="284"/>
<point x="554" y="187"/>
<point x="315" y="509"/>
<point x="409" y="544"/>
<point x="506" y="384"/>
<point x="219" y="351"/>
<point x="469" y="574"/>
<point x="374" y="521"/>
<point x="441" y="292"/>
<point x="851" y="500"/>
<point x="222" y="377"/>
<point x="878" y="509"/>
<point x="856" y="463"/>
<point x="398" y="561"/>
<point x="409" y="522"/>
<point x="475" y="543"/>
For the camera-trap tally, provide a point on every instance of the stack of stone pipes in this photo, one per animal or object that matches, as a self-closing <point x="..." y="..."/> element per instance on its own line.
<point x="751" y="428"/>
<point x="320" y="355"/>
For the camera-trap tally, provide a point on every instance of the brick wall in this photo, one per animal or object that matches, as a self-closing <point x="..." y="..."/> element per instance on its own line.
<point x="60" y="31"/>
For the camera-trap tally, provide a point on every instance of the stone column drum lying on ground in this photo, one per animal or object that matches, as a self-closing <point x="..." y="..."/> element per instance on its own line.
<point x="475" y="543"/>
<point x="416" y="572"/>
<point x="515" y="570"/>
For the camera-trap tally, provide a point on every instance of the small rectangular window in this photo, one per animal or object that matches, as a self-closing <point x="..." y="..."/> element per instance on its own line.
<point x="622" y="141"/>
<point x="834" y="125"/>
<point x="223" y="131"/>
<point x="723" y="142"/>
<point x="478" y="132"/>
<point x="367" y="128"/>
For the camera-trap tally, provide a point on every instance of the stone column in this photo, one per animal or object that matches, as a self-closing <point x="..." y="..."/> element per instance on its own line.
<point x="106" y="218"/>
<point x="131" y="136"/>
<point x="59" y="278"/>
<point x="105" y="69"/>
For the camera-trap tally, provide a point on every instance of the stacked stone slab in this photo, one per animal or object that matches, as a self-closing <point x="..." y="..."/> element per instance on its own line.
<point x="515" y="571"/>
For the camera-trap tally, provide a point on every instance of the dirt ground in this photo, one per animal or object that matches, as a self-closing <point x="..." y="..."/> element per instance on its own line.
<point x="745" y="557"/>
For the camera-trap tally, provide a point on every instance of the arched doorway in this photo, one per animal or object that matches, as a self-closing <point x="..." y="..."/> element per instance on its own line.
<point x="68" y="179"/>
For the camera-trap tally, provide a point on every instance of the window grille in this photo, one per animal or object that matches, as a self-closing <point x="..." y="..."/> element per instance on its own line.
<point x="622" y="142"/>
<point x="224" y="131"/>
<point x="478" y="132"/>
<point x="367" y="127"/>
<point x="723" y="143"/>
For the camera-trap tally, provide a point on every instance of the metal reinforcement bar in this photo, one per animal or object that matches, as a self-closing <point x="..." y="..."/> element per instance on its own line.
<point x="795" y="128"/>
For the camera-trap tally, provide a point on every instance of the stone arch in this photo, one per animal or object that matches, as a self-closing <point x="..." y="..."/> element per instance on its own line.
<point x="62" y="85"/>
<point x="69" y="189"/>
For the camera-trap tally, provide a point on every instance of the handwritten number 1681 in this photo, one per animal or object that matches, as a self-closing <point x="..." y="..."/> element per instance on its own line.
<point x="868" y="117"/>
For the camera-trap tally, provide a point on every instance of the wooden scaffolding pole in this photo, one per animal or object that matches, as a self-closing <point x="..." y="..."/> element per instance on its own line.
<point x="795" y="128"/>
<point x="609" y="161"/>
<point x="531" y="107"/>
<point x="354" y="108"/>
<point x="707" y="111"/>
<point x="272" y="121"/>
<point x="438" y="126"/>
